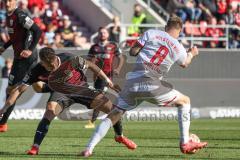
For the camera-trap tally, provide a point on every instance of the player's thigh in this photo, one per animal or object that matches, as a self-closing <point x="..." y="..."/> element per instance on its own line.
<point x="101" y="103"/>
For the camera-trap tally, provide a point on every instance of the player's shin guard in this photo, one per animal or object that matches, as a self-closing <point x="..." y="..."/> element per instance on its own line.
<point x="184" y="122"/>
<point x="6" y="115"/>
<point x="118" y="128"/>
<point x="99" y="133"/>
<point x="41" y="132"/>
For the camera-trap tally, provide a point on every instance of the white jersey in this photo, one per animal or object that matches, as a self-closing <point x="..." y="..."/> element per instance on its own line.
<point x="160" y="51"/>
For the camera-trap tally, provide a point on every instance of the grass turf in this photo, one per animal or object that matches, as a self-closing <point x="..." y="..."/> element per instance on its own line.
<point x="156" y="140"/>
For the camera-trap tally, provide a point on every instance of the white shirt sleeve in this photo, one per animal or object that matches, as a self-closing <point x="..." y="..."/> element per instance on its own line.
<point x="144" y="38"/>
<point x="182" y="55"/>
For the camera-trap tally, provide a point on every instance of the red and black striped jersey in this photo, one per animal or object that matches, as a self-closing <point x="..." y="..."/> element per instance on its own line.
<point x="105" y="55"/>
<point x="69" y="78"/>
<point x="18" y="25"/>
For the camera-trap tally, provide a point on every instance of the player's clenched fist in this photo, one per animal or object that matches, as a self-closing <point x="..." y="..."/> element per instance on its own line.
<point x="194" y="51"/>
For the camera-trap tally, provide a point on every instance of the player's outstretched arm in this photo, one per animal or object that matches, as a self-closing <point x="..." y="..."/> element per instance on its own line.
<point x="13" y="96"/>
<point x="192" y="52"/>
<point x="134" y="51"/>
<point x="96" y="70"/>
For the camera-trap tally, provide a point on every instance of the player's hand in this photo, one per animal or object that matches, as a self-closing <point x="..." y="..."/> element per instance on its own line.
<point x="116" y="71"/>
<point x="115" y="87"/>
<point x="194" y="51"/>
<point x="2" y="50"/>
<point x="26" y="53"/>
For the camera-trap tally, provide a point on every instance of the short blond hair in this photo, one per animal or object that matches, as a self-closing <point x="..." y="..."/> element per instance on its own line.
<point x="174" y="22"/>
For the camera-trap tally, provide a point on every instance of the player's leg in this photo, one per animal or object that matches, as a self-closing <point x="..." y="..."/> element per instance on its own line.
<point x="55" y="105"/>
<point x="113" y="117"/>
<point x="53" y="109"/>
<point x="100" y="132"/>
<point x="184" y="110"/>
<point x="182" y="101"/>
<point x="99" y="84"/>
<point x="19" y="69"/>
<point x="4" y="119"/>
<point x="13" y="79"/>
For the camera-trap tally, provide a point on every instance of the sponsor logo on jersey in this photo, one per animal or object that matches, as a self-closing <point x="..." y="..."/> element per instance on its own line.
<point x="10" y="30"/>
<point x="11" y="22"/>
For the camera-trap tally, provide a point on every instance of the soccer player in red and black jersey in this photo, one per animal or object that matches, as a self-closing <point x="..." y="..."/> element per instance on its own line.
<point x="68" y="79"/>
<point x="103" y="54"/>
<point x="24" y="36"/>
<point x="57" y="102"/>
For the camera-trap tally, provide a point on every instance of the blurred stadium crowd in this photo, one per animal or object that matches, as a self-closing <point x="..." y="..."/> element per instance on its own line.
<point x="204" y="13"/>
<point x="63" y="29"/>
<point x="60" y="27"/>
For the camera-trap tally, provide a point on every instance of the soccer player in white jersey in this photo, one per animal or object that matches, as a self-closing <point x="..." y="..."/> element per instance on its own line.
<point x="156" y="52"/>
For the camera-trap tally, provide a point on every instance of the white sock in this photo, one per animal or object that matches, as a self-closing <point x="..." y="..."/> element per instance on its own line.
<point x="99" y="133"/>
<point x="184" y="122"/>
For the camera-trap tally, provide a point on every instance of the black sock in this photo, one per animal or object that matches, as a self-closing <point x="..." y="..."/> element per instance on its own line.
<point x="95" y="115"/>
<point x="41" y="131"/>
<point x="118" y="128"/>
<point x="6" y="115"/>
<point x="46" y="89"/>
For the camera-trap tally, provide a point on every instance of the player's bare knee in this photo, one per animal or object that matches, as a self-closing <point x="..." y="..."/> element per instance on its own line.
<point x="182" y="100"/>
<point x="37" y="87"/>
<point x="54" y="108"/>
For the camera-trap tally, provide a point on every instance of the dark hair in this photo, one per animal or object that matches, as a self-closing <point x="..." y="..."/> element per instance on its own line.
<point x="174" y="22"/>
<point x="47" y="54"/>
<point x="100" y="28"/>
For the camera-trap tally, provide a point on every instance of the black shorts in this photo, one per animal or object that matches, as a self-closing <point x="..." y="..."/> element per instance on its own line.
<point x="65" y="100"/>
<point x="20" y="68"/>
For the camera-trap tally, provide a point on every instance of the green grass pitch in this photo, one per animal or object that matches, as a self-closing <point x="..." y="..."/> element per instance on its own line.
<point x="156" y="140"/>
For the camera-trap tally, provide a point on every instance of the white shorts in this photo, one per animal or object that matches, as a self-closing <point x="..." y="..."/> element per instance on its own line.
<point x="157" y="92"/>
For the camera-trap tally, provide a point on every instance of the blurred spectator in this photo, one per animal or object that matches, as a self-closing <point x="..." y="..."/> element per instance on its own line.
<point x="36" y="18"/>
<point x="80" y="41"/>
<point x="53" y="14"/>
<point x="39" y="3"/>
<point x="138" y="18"/>
<point x="7" y="68"/>
<point x="4" y="37"/>
<point x="23" y="4"/>
<point x="193" y="12"/>
<point x="58" y="42"/>
<point x="50" y="34"/>
<point x="115" y="30"/>
<point x="229" y="18"/>
<point x="208" y="7"/>
<point x="177" y="7"/>
<point x="2" y="12"/>
<point x="237" y="16"/>
<point x="67" y="32"/>
<point x="221" y="8"/>
<point x="215" y="33"/>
